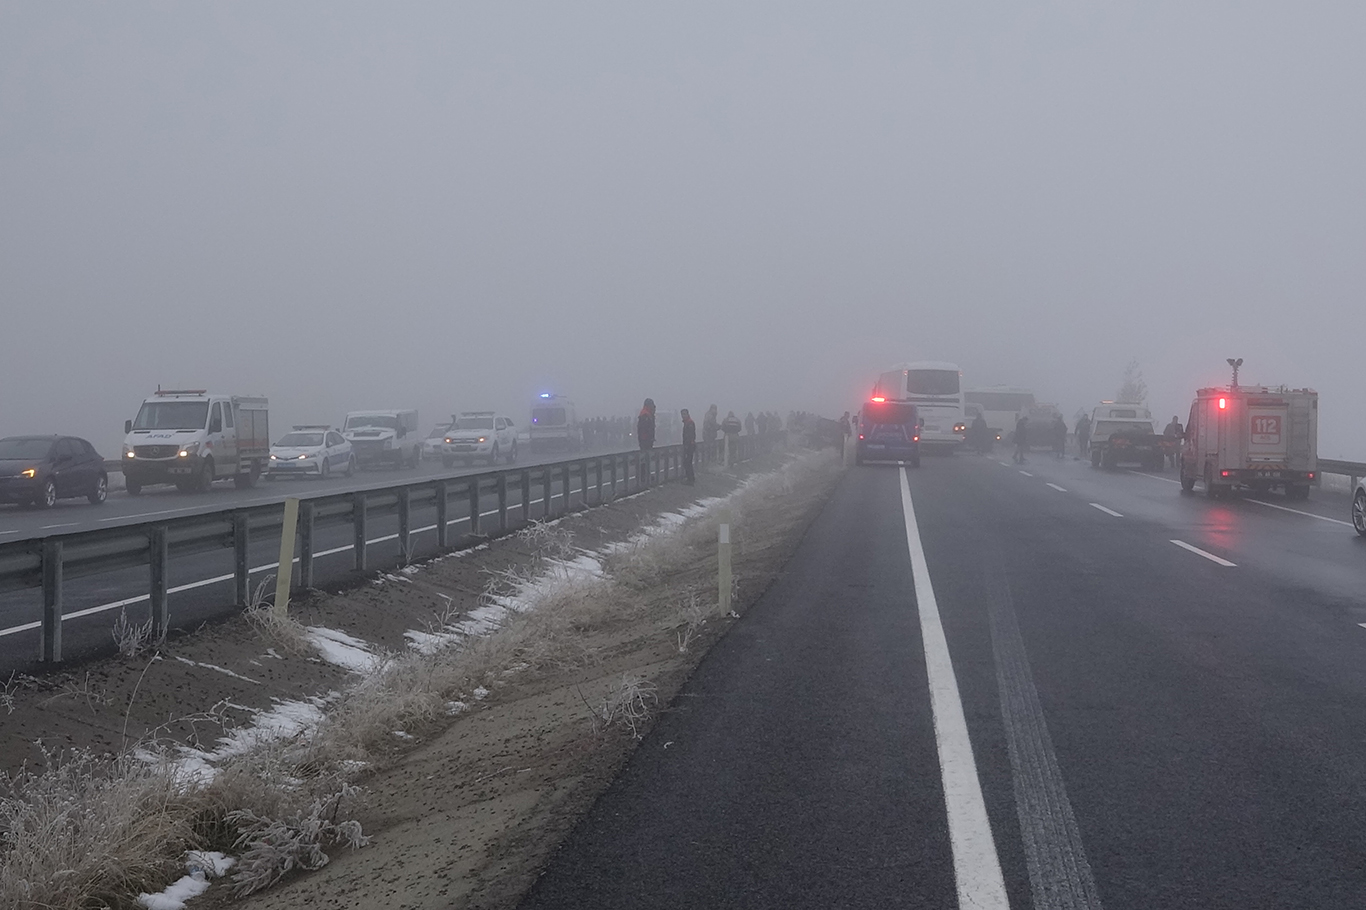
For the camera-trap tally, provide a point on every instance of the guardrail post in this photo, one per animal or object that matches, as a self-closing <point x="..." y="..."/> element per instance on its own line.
<point x="305" y="545"/>
<point x="526" y="496"/>
<point x="442" y="516"/>
<point x="474" y="504"/>
<point x="358" y="526"/>
<point x="502" y="503"/>
<point x="405" y="523"/>
<point x="547" y="481"/>
<point x="723" y="575"/>
<point x="612" y="470"/>
<point x="51" y="646"/>
<point x="241" y="539"/>
<point x="284" y="572"/>
<point x="583" y="466"/>
<point x="599" y="473"/>
<point x="157" y="559"/>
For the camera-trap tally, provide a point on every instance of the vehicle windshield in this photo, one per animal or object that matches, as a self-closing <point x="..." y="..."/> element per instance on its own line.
<point x="439" y="432"/>
<point x="300" y="440"/>
<point x="1001" y="401"/>
<point x="888" y="413"/>
<point x="473" y="423"/>
<point x="372" y="420"/>
<point x="932" y="382"/>
<point x="1106" y="428"/>
<point x="21" y="448"/>
<point x="172" y="415"/>
<point x="548" y="417"/>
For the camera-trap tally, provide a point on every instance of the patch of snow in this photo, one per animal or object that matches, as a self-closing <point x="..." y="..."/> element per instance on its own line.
<point x="202" y="867"/>
<point x="404" y="735"/>
<point x="341" y="649"/>
<point x="481" y="693"/>
<point x="455" y="707"/>
<point x="410" y="570"/>
<point x="284" y="720"/>
<point x="273" y="653"/>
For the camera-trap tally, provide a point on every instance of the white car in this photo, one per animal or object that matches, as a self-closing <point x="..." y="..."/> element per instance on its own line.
<point x="431" y="446"/>
<point x="1359" y="507"/>
<point x="479" y="434"/>
<point x="311" y="450"/>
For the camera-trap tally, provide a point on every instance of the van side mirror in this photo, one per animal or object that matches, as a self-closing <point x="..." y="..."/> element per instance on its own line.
<point x="127" y="427"/>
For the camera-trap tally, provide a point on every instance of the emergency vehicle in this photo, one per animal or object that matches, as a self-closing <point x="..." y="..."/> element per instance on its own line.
<point x="1254" y="437"/>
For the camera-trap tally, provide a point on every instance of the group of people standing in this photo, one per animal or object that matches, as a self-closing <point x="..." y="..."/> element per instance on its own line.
<point x="712" y="429"/>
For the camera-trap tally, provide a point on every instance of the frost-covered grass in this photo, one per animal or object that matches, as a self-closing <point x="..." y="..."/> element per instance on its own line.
<point x="280" y="792"/>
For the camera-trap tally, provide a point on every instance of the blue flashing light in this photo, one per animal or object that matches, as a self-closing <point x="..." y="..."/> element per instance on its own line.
<point x="545" y="394"/>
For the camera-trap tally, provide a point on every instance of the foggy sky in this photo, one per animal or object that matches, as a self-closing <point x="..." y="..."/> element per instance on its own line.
<point x="457" y="206"/>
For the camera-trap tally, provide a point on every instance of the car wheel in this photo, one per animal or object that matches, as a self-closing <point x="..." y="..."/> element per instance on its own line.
<point x="512" y="456"/>
<point x="324" y="469"/>
<point x="493" y="456"/>
<point x="350" y="465"/>
<point x="1211" y="490"/>
<point x="1187" y="482"/>
<point x="101" y="491"/>
<point x="1359" y="512"/>
<point x="133" y="487"/>
<point x="1095" y="458"/>
<point x="47" y="495"/>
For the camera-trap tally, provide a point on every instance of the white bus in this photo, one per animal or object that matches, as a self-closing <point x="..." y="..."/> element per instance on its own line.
<point x="936" y="390"/>
<point x="1000" y="405"/>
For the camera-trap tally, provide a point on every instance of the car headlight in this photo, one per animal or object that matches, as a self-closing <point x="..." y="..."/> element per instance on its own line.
<point x="31" y="472"/>
<point x="188" y="449"/>
<point x="303" y="457"/>
<point x="448" y="439"/>
<point x="483" y="438"/>
<point x="274" y="457"/>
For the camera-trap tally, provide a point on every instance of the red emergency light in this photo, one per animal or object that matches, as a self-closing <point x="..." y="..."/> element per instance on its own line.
<point x="878" y="398"/>
<point x="1223" y="404"/>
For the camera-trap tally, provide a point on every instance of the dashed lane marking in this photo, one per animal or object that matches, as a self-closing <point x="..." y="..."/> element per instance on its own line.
<point x="1005" y="464"/>
<point x="1026" y="473"/>
<point x="1056" y="487"/>
<point x="976" y="866"/>
<point x="1199" y="552"/>
<point x="1096" y="505"/>
<point x="65" y="524"/>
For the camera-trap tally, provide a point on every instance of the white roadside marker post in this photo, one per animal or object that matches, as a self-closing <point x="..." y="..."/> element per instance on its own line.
<point x="288" y="529"/>
<point x="723" y="581"/>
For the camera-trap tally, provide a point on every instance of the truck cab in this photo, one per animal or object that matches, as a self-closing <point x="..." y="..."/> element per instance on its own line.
<point x="384" y="437"/>
<point x="191" y="438"/>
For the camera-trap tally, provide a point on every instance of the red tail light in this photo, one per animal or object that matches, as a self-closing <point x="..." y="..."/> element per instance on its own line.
<point x="915" y="439"/>
<point x="860" y="436"/>
<point x="1311" y="475"/>
<point x="878" y="398"/>
<point x="1223" y="404"/>
<point x="1223" y="473"/>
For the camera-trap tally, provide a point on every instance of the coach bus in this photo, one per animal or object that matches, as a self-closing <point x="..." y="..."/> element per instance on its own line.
<point x="936" y="390"/>
<point x="1000" y="406"/>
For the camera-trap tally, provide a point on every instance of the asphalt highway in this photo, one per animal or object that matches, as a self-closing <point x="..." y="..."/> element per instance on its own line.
<point x="201" y="584"/>
<point x="988" y="685"/>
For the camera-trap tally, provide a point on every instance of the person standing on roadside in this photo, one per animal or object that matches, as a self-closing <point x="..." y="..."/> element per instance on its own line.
<point x="1021" y="438"/>
<point x="1083" y="434"/>
<point x="689" y="446"/>
<point x="645" y="425"/>
<point x="710" y="425"/>
<point x="1174" y="432"/>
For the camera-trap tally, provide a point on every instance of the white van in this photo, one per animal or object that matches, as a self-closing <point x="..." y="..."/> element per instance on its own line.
<point x="191" y="438"/>
<point x="384" y="437"/>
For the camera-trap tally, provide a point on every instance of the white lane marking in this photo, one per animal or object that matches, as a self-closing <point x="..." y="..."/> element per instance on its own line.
<point x="1005" y="464"/>
<point x="1096" y="505"/>
<point x="138" y="516"/>
<point x="1272" y="505"/>
<point x="1156" y="477"/>
<point x="65" y="524"/>
<point x="1056" y="487"/>
<point x="1362" y="624"/>
<point x="1199" y="552"/>
<point x="976" y="867"/>
<point x="9" y="532"/>
<point x="1026" y="473"/>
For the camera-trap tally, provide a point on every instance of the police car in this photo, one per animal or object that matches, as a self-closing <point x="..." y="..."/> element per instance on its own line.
<point x="479" y="434"/>
<point x="311" y="450"/>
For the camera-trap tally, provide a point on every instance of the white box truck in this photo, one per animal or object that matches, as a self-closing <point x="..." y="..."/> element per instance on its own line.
<point x="191" y="438"/>
<point x="384" y="437"/>
<point x="1254" y="437"/>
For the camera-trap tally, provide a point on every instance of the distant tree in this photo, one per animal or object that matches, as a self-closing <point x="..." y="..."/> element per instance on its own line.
<point x="1133" y="390"/>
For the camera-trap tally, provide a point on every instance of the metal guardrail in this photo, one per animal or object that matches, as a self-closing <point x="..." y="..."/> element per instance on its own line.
<point x="46" y="562"/>
<point x="1352" y="469"/>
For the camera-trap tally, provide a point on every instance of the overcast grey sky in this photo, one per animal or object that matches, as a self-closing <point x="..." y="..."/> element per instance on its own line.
<point x="456" y="205"/>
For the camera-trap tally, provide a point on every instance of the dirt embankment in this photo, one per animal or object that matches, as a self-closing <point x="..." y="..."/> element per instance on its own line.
<point x="470" y="771"/>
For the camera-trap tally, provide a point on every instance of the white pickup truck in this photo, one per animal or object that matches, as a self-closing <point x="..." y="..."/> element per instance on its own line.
<point x="191" y="438"/>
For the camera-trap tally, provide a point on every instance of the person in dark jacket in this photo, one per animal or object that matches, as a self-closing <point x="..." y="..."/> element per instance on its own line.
<point x="979" y="435"/>
<point x="645" y="425"/>
<point x="689" y="446"/>
<point x="1083" y="434"/>
<point x="1021" y="438"/>
<point x="1059" y="431"/>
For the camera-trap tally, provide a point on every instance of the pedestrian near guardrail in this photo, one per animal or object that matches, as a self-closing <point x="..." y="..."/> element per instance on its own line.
<point x="645" y="425"/>
<point x="689" y="447"/>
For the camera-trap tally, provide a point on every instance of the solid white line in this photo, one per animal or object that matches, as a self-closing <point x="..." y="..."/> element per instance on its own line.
<point x="1272" y="505"/>
<point x="1026" y="473"/>
<point x="9" y="532"/>
<point x="1362" y="624"/>
<point x="976" y="867"/>
<point x="138" y="516"/>
<point x="1199" y="552"/>
<point x="1096" y="505"/>
<point x="1056" y="487"/>
<point x="1005" y="464"/>
<point x="1155" y="477"/>
<point x="65" y="524"/>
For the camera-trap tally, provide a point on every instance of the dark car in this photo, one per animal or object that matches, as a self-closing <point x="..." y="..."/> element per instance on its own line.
<point x="888" y="431"/>
<point x="39" y="470"/>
